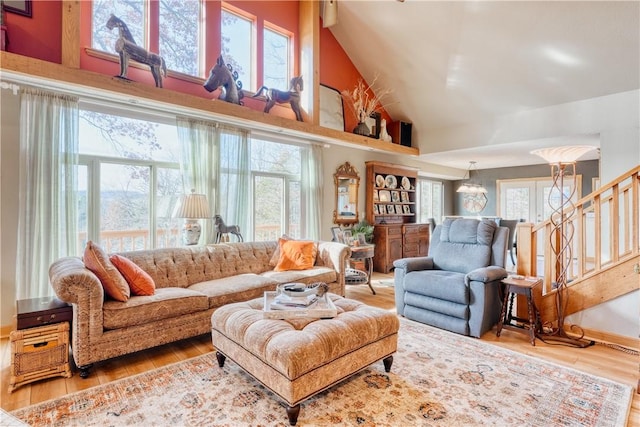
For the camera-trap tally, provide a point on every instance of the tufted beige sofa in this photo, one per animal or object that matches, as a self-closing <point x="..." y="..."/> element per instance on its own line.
<point x="191" y="282"/>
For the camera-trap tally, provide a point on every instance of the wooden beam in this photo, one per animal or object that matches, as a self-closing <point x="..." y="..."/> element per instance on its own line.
<point x="213" y="108"/>
<point x="309" y="35"/>
<point x="71" y="33"/>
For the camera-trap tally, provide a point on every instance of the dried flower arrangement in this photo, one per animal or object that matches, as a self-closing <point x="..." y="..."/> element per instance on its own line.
<point x="364" y="100"/>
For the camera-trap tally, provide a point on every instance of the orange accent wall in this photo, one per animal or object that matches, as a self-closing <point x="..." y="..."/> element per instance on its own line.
<point x="39" y="36"/>
<point x="338" y="72"/>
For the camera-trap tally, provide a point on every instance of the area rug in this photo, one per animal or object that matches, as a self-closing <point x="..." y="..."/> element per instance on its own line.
<point x="437" y="379"/>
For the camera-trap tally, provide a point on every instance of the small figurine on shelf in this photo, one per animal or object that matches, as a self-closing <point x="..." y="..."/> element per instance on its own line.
<point x="383" y="131"/>
<point x="223" y="76"/>
<point x="292" y="96"/>
<point x="127" y="48"/>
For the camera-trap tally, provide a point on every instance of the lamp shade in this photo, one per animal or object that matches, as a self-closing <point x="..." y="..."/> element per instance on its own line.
<point x="192" y="206"/>
<point x="469" y="186"/>
<point x="565" y="154"/>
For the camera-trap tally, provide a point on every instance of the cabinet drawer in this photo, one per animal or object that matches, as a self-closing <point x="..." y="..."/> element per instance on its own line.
<point x="32" y="320"/>
<point x="411" y="238"/>
<point x="410" y="248"/>
<point x="394" y="231"/>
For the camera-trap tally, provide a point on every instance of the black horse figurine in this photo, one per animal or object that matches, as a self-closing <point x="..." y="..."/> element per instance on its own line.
<point x="128" y="49"/>
<point x="222" y="76"/>
<point x="281" y="97"/>
<point x="222" y="228"/>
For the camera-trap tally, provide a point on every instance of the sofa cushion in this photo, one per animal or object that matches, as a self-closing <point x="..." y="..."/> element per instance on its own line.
<point x="444" y="285"/>
<point x="138" y="280"/>
<point x="96" y="260"/>
<point x="295" y="255"/>
<point x="314" y="274"/>
<point x="242" y="287"/>
<point x="164" y="304"/>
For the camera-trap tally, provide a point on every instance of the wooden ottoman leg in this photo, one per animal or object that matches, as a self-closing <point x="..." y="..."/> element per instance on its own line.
<point x="388" y="361"/>
<point x="221" y="358"/>
<point x="292" y="413"/>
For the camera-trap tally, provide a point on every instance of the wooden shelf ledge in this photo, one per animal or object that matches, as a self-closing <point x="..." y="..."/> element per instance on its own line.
<point x="130" y="91"/>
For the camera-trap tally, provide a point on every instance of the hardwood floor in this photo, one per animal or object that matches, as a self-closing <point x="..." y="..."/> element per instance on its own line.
<point x="598" y="360"/>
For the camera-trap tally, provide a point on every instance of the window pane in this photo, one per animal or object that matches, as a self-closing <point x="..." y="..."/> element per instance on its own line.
<point x="267" y="156"/>
<point x="83" y="206"/>
<point x="517" y="203"/>
<point x="131" y="12"/>
<point x="179" y="35"/>
<point x="276" y="60"/>
<point x="124" y="207"/>
<point x="268" y="208"/>
<point x="236" y="46"/>
<point x="115" y="136"/>
<point x="169" y="189"/>
<point x="295" y="217"/>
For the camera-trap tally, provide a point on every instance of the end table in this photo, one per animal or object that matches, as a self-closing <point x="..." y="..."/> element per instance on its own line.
<point x="364" y="253"/>
<point x="524" y="287"/>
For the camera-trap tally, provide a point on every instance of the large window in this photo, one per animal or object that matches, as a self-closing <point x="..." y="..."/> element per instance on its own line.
<point x="277" y="202"/>
<point x="276" y="59"/>
<point x="131" y="12"/>
<point x="128" y="183"/>
<point x="430" y="200"/>
<point x="237" y="46"/>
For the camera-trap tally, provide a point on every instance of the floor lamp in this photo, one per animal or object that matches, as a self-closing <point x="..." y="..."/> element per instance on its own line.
<point x="563" y="172"/>
<point x="191" y="207"/>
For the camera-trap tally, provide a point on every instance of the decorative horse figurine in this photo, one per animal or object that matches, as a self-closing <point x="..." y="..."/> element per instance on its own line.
<point x="222" y="228"/>
<point x="128" y="49"/>
<point x="281" y="97"/>
<point x="222" y="76"/>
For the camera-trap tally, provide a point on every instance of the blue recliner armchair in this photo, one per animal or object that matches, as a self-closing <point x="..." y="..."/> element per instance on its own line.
<point x="457" y="286"/>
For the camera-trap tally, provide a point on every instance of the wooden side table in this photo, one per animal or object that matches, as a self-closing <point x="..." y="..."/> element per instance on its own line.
<point x="364" y="253"/>
<point x="521" y="287"/>
<point x="40" y="345"/>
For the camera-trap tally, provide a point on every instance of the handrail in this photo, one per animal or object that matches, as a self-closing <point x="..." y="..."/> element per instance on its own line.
<point x="606" y="224"/>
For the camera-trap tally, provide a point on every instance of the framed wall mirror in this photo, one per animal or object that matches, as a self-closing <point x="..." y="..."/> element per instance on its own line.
<point x="347" y="182"/>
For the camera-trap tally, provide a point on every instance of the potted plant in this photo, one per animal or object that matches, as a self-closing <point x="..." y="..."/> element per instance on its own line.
<point x="365" y="228"/>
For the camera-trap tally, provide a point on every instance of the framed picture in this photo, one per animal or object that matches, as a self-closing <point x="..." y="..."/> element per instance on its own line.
<point x="373" y="122"/>
<point x="375" y="195"/>
<point x="407" y="209"/>
<point x="375" y="209"/>
<point x="19" y="7"/>
<point x="384" y="195"/>
<point x="331" y="108"/>
<point x="395" y="196"/>
<point x="390" y="209"/>
<point x="336" y="232"/>
<point x="347" y="237"/>
<point x="399" y="210"/>
<point x="404" y="196"/>
<point x="361" y="239"/>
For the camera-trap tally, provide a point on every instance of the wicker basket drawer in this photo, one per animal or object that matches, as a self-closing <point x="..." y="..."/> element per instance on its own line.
<point x="39" y="353"/>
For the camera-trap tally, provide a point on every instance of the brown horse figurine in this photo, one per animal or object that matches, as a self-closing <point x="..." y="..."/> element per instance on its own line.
<point x="128" y="49"/>
<point x="281" y="97"/>
<point x="222" y="76"/>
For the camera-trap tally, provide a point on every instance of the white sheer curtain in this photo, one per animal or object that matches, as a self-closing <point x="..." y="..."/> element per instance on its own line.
<point x="47" y="184"/>
<point x="313" y="187"/>
<point x="233" y="202"/>
<point x="199" y="164"/>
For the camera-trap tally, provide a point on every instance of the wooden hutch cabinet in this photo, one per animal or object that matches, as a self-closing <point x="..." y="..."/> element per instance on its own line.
<point x="391" y="207"/>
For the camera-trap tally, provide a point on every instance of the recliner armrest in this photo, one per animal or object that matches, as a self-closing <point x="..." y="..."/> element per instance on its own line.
<point x="414" y="264"/>
<point x="487" y="274"/>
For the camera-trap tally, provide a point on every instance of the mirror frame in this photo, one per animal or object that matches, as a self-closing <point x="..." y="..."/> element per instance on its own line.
<point x="346" y="171"/>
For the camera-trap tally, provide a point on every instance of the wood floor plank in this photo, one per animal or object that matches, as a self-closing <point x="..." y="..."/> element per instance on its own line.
<point x="598" y="360"/>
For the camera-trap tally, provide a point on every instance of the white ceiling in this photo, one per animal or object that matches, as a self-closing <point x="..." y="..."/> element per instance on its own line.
<point x="452" y="63"/>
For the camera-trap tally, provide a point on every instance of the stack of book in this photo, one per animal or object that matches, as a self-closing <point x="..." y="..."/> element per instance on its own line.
<point x="281" y="306"/>
<point x="286" y="302"/>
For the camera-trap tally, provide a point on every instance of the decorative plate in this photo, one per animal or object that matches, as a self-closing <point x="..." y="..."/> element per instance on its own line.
<point x="384" y="195"/>
<point x="406" y="184"/>
<point x="380" y="181"/>
<point x="391" y="181"/>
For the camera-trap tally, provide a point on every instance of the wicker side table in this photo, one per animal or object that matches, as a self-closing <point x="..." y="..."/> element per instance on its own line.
<point x="39" y="353"/>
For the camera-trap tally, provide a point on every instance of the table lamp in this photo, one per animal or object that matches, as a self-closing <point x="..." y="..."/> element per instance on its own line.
<point x="191" y="207"/>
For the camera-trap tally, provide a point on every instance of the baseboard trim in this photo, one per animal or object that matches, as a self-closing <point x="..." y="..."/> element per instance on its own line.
<point x="606" y="337"/>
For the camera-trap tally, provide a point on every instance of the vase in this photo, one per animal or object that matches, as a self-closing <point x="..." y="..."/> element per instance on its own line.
<point x="362" y="129"/>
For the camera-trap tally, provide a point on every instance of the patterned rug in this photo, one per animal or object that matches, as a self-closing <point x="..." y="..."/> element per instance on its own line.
<point x="437" y="379"/>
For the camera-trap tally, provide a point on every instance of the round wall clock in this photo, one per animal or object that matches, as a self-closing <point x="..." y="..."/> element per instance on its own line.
<point x="474" y="202"/>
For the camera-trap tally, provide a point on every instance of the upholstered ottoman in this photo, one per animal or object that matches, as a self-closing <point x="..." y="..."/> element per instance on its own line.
<point x="297" y="358"/>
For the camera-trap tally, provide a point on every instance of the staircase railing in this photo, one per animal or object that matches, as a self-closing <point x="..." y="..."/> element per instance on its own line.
<point x="606" y="224"/>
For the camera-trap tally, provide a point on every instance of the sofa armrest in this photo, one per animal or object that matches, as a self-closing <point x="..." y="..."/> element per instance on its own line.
<point x="77" y="285"/>
<point x="486" y="274"/>
<point x="414" y="264"/>
<point x="335" y="255"/>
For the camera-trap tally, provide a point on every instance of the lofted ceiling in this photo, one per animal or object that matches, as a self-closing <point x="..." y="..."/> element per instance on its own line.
<point x="453" y="63"/>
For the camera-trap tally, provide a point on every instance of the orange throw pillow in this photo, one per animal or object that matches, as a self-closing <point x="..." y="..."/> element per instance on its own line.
<point x="295" y="255"/>
<point x="112" y="281"/>
<point x="139" y="280"/>
<point x="276" y="254"/>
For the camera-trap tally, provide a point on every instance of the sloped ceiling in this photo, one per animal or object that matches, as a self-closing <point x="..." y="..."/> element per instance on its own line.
<point x="455" y="63"/>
